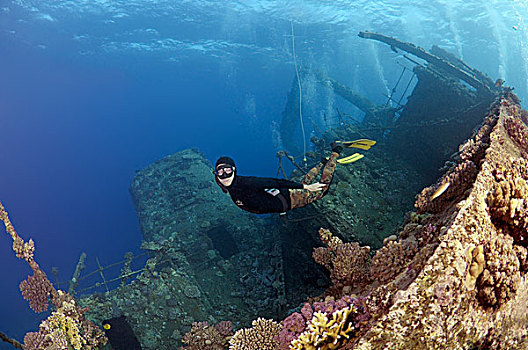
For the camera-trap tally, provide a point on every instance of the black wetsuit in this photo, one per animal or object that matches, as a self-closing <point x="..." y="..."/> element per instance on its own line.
<point x="262" y="195"/>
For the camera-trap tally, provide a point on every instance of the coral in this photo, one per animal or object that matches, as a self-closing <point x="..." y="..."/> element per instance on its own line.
<point x="507" y="202"/>
<point x="263" y="336"/>
<point x="501" y="275"/>
<point x="23" y="250"/>
<point x="67" y="327"/>
<point x="475" y="148"/>
<point x="36" y="290"/>
<point x="323" y="256"/>
<point x="35" y="341"/>
<point x="518" y="132"/>
<point x="460" y="177"/>
<point x="476" y="259"/>
<point x="392" y="259"/>
<point x="225" y="328"/>
<point x="347" y="262"/>
<point x="443" y="294"/>
<point x="64" y="330"/>
<point x="326" y="332"/>
<point x="522" y="255"/>
<point x="298" y="324"/>
<point x="202" y="336"/>
<point x="192" y="291"/>
<point x="434" y="199"/>
<point x="292" y="327"/>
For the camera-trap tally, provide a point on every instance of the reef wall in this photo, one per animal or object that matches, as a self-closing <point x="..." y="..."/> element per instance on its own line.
<point x="469" y="259"/>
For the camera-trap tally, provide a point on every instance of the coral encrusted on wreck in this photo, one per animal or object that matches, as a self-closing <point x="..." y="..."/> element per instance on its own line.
<point x="469" y="287"/>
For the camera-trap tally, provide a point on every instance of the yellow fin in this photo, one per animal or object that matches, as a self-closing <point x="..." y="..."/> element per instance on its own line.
<point x="350" y="159"/>
<point x="363" y="144"/>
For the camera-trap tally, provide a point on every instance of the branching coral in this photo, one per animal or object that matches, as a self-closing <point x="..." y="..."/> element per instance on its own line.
<point x="63" y="330"/>
<point x="292" y="327"/>
<point x="306" y="330"/>
<point x="36" y="290"/>
<point x="327" y="332"/>
<point x="296" y="323"/>
<point x="67" y="327"/>
<point x="347" y="262"/>
<point x="263" y="336"/>
<point x="23" y="250"/>
<point x="35" y="340"/>
<point x="225" y="328"/>
<point x="203" y="336"/>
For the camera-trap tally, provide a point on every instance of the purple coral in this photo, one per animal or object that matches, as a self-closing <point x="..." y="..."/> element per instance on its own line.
<point x="225" y="328"/>
<point x="296" y="323"/>
<point x="36" y="290"/>
<point x="293" y="326"/>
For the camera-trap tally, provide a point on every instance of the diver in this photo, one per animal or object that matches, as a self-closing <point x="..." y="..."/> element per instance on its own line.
<point x="262" y="195"/>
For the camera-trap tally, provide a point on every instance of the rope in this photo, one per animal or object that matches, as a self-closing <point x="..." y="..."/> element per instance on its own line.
<point x="11" y="341"/>
<point x="300" y="94"/>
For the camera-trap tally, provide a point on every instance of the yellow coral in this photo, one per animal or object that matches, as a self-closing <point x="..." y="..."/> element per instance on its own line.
<point x="261" y="336"/>
<point x="324" y="333"/>
<point x="67" y="330"/>
<point x="475" y="255"/>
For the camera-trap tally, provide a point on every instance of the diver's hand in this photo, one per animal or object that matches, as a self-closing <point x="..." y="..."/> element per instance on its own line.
<point x="315" y="187"/>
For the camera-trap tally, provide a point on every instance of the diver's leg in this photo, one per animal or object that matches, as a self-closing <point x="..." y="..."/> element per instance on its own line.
<point x="309" y="177"/>
<point x="329" y="168"/>
<point x="327" y="175"/>
<point x="300" y="198"/>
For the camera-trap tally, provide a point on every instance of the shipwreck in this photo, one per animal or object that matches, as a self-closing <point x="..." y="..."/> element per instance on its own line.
<point x="421" y="249"/>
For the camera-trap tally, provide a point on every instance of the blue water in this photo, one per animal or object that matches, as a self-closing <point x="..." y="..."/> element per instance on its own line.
<point x="92" y="91"/>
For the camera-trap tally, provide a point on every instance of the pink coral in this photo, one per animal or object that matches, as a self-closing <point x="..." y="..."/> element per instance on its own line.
<point x="307" y="311"/>
<point x="392" y="259"/>
<point x="35" y="341"/>
<point x="292" y="327"/>
<point x="294" y="323"/>
<point x="225" y="328"/>
<point x="36" y="290"/>
<point x="348" y="262"/>
<point x="297" y="323"/>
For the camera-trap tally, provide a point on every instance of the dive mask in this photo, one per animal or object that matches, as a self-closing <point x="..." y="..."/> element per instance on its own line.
<point x="224" y="172"/>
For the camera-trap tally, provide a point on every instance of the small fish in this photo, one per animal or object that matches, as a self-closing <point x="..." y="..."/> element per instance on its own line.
<point x="440" y="190"/>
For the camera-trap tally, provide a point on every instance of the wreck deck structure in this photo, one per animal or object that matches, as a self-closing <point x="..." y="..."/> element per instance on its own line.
<point x="212" y="262"/>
